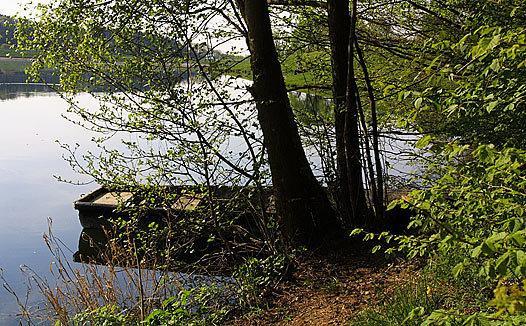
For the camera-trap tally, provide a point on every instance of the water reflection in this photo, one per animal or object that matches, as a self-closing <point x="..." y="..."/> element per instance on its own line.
<point x="30" y="123"/>
<point x="91" y="242"/>
<point x="13" y="91"/>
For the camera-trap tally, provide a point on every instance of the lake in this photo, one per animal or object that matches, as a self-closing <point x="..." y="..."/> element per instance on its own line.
<point x="31" y="123"/>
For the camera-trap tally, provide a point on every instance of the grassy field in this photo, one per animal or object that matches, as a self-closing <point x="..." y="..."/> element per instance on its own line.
<point x="12" y="62"/>
<point x="13" y="65"/>
<point x="302" y="71"/>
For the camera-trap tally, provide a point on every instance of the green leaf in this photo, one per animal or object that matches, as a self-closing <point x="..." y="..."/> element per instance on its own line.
<point x="521" y="258"/>
<point x="356" y="232"/>
<point x="458" y="269"/>
<point x="510" y="107"/>
<point x="475" y="253"/>
<point x="392" y="205"/>
<point x="488" y="248"/>
<point x="424" y="141"/>
<point x="501" y="265"/>
<point x="369" y="236"/>
<point x="485" y="153"/>
<point x="491" y="106"/>
<point x="418" y="103"/>
<point x="518" y="237"/>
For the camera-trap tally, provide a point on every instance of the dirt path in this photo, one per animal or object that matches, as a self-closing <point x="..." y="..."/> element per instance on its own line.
<point x="329" y="292"/>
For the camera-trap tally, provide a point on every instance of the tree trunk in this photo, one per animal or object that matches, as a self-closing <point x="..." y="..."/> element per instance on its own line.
<point x="352" y="137"/>
<point x="379" y="196"/>
<point x="306" y="213"/>
<point x="339" y="26"/>
<point x="342" y="33"/>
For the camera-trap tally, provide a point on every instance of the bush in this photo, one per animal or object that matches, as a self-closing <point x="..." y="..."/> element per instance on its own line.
<point x="102" y="316"/>
<point x="476" y="207"/>
<point x="256" y="276"/>
<point x="472" y="207"/>
<point x="207" y="305"/>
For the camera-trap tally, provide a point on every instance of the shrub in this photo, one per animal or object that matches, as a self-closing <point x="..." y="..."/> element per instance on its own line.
<point x="206" y="305"/>
<point x="257" y="275"/>
<point x="472" y="207"/>
<point x="102" y="316"/>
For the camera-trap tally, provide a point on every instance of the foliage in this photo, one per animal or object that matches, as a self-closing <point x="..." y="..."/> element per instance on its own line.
<point x="473" y="206"/>
<point x="476" y="206"/>
<point x="102" y="316"/>
<point x="206" y="305"/>
<point x="158" y="90"/>
<point x="476" y="82"/>
<point x="473" y="200"/>
<point x="510" y="298"/>
<point x="257" y="276"/>
<point x="7" y="30"/>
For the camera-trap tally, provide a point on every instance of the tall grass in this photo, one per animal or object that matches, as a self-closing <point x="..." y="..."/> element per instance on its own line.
<point x="405" y="306"/>
<point x="432" y="289"/>
<point x="118" y="285"/>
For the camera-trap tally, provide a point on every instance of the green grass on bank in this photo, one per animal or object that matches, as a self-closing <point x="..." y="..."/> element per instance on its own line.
<point x="12" y="62"/>
<point x="13" y="65"/>
<point x="433" y="289"/>
<point x="306" y="72"/>
<point x="309" y="72"/>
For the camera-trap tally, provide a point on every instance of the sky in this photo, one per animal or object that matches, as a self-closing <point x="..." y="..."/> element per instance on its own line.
<point x="11" y="7"/>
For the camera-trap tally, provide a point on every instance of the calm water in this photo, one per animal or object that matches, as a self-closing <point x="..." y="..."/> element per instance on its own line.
<point x="30" y="123"/>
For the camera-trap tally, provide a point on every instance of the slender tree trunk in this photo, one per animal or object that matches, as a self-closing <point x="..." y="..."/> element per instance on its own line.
<point x="302" y="203"/>
<point x="352" y="202"/>
<point x="339" y="26"/>
<point x="351" y="133"/>
<point x="379" y="201"/>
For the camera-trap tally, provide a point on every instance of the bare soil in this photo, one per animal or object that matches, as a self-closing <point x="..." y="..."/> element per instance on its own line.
<point x="331" y="288"/>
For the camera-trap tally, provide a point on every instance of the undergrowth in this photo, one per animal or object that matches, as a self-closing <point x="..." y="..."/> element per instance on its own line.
<point x="430" y="290"/>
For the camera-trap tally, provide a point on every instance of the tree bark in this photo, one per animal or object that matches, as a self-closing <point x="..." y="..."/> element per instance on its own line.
<point x="379" y="196"/>
<point x="351" y="194"/>
<point x="339" y="26"/>
<point x="306" y="213"/>
<point x="351" y="133"/>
